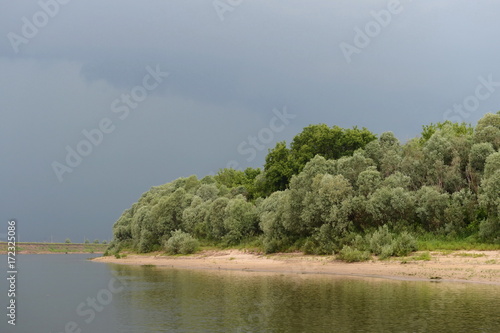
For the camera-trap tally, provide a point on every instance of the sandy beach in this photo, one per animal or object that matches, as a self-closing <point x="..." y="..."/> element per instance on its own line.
<point x="458" y="266"/>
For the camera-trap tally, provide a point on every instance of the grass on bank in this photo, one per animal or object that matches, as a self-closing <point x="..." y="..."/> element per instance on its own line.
<point x="441" y="243"/>
<point x="353" y="253"/>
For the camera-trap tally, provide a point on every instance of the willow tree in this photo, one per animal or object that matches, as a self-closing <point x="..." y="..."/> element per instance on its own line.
<point x="488" y="130"/>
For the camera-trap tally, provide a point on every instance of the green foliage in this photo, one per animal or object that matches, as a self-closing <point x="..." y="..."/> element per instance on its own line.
<point x="492" y="165"/>
<point x="216" y="215"/>
<point x="404" y="244"/>
<point x="488" y="130"/>
<point x="329" y="142"/>
<point x="368" y="181"/>
<point x="240" y="182"/>
<point x="349" y="254"/>
<point x="489" y="199"/>
<point x="181" y="243"/>
<point x="431" y="205"/>
<point x="335" y="187"/>
<point x="425" y="256"/>
<point x="478" y="154"/>
<point x="380" y="239"/>
<point x="240" y="220"/>
<point x="67" y="241"/>
<point x="278" y="169"/>
<point x="456" y="129"/>
<point x="387" y="205"/>
<point x="386" y="244"/>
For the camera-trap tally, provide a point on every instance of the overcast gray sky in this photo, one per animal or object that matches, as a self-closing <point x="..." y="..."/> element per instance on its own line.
<point x="242" y="75"/>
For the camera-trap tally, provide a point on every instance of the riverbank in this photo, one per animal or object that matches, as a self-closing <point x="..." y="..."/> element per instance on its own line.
<point x="467" y="266"/>
<point x="49" y="248"/>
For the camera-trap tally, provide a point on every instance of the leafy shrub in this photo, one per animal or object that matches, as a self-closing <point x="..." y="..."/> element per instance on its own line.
<point x="350" y="254"/>
<point x="322" y="241"/>
<point x="181" y="242"/>
<point x="386" y="251"/>
<point x="489" y="230"/>
<point x="360" y="243"/>
<point x="273" y="245"/>
<point x="404" y="244"/>
<point x="386" y="244"/>
<point x="379" y="239"/>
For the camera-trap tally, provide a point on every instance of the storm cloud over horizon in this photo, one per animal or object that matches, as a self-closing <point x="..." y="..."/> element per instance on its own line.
<point x="147" y="92"/>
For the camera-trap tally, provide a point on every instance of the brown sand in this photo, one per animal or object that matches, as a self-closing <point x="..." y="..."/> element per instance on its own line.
<point x="460" y="266"/>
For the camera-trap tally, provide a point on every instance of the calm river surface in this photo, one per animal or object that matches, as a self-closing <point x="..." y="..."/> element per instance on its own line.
<point x="67" y="293"/>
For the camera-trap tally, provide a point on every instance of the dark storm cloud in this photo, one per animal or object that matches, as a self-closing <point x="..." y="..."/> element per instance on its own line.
<point x="225" y="79"/>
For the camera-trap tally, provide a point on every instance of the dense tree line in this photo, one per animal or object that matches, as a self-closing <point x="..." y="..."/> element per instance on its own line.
<point x="334" y="189"/>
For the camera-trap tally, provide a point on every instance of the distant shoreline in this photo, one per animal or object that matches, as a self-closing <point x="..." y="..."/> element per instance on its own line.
<point x="457" y="266"/>
<point x="54" y="248"/>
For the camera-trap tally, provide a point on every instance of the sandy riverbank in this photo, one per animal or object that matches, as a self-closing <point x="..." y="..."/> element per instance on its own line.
<point x="468" y="266"/>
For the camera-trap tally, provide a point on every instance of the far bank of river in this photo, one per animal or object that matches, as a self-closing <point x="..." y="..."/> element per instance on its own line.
<point x="47" y="248"/>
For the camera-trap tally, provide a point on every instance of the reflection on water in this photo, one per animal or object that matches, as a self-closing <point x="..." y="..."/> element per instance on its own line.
<point x="52" y="287"/>
<point x="170" y="300"/>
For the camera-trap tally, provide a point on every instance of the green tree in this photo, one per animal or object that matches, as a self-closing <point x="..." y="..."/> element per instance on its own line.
<point x="67" y="241"/>
<point x="490" y="201"/>
<point x="278" y="168"/>
<point x="329" y="142"/>
<point x="391" y="205"/>
<point x="240" y="221"/>
<point x="492" y="165"/>
<point x="273" y="213"/>
<point x="194" y="217"/>
<point x="368" y="181"/>
<point x="167" y="213"/>
<point x="230" y="178"/>
<point x="215" y="218"/>
<point x="458" y="129"/>
<point x="478" y="154"/>
<point x="430" y="207"/>
<point x="488" y="130"/>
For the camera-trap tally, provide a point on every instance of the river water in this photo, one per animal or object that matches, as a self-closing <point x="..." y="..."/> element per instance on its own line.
<point x="68" y="293"/>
